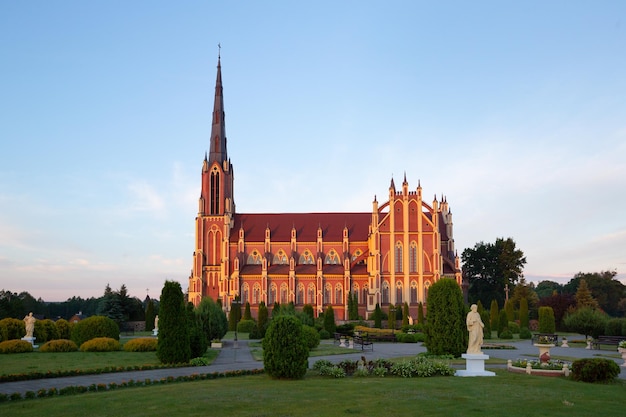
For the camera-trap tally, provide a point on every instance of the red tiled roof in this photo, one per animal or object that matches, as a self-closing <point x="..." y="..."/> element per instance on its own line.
<point x="306" y="225"/>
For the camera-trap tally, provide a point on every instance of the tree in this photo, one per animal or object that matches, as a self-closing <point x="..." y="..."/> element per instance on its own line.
<point x="524" y="290"/>
<point x="560" y="304"/>
<point x="173" y="345"/>
<point x="247" y="315"/>
<point x="198" y="340"/>
<point x="420" y="313"/>
<point x="353" y="306"/>
<point x="509" y="310"/>
<point x="494" y="315"/>
<point x="548" y="288"/>
<point x="285" y="349"/>
<point x="262" y="319"/>
<point x="584" y="297"/>
<point x="150" y="316"/>
<point x="503" y="322"/>
<point x="405" y="314"/>
<point x="110" y="306"/>
<point x="446" y="332"/>
<point x="235" y="314"/>
<point x="546" y="320"/>
<point x="587" y="321"/>
<point x="329" y="320"/>
<point x="213" y="318"/>
<point x="490" y="267"/>
<point x="523" y="313"/>
<point x="605" y="288"/>
<point x="377" y="316"/>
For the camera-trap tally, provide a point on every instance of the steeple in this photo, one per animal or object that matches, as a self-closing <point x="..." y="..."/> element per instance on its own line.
<point x="218" y="131"/>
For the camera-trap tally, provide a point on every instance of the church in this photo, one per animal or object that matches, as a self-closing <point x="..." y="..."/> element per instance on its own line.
<point x="390" y="254"/>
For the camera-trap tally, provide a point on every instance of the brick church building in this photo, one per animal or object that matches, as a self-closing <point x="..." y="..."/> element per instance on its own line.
<point x="389" y="254"/>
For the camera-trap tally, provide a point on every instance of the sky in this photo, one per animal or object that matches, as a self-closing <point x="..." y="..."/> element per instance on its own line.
<point x="514" y="111"/>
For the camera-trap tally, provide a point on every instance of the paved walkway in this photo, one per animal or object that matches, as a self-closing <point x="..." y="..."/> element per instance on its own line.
<point x="238" y="357"/>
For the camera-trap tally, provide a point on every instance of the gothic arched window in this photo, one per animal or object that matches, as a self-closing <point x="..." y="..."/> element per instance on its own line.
<point x="398" y="257"/>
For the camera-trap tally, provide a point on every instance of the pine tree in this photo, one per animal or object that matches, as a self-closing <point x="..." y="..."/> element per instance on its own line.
<point x="173" y="345"/>
<point x="584" y="297"/>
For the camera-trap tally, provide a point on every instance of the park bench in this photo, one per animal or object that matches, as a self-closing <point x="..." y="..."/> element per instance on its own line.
<point x="382" y="337"/>
<point x="364" y="341"/>
<point x="607" y="340"/>
<point x="545" y="338"/>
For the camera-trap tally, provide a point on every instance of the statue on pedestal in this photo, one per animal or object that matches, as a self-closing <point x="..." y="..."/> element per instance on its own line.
<point x="475" y="328"/>
<point x="29" y="322"/>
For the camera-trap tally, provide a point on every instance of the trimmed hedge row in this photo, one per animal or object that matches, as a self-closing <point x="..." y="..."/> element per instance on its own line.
<point x="15" y="346"/>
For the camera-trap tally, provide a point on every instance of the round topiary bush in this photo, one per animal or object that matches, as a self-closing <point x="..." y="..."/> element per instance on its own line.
<point x="95" y="326"/>
<point x="285" y="350"/>
<point x="15" y="346"/>
<point x="141" y="344"/>
<point x="63" y="329"/>
<point x="506" y="334"/>
<point x="311" y="336"/>
<point x="59" y="345"/>
<point x="12" y="329"/>
<point x="524" y="333"/>
<point x="100" y="344"/>
<point x="246" y="326"/>
<point x="594" y="370"/>
<point x="324" y="335"/>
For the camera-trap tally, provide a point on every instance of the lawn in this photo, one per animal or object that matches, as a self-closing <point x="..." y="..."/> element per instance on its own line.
<point x="505" y="394"/>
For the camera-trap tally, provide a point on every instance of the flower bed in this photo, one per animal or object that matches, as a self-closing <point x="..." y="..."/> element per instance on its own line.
<point x="531" y="367"/>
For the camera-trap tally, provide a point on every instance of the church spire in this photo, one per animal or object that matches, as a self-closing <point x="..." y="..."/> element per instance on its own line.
<point x="218" y="131"/>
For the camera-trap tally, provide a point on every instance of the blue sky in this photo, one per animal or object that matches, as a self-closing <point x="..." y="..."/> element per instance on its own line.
<point x="515" y="111"/>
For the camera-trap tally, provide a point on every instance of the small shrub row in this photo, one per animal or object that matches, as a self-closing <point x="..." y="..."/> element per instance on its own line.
<point x="419" y="366"/>
<point x="101" y="344"/>
<point x="141" y="344"/>
<point x="80" y="389"/>
<point x="15" y="346"/>
<point x="59" y="345"/>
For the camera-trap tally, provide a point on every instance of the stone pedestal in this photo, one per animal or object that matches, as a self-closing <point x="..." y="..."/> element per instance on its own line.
<point x="31" y="340"/>
<point x="155" y="332"/>
<point x="474" y="365"/>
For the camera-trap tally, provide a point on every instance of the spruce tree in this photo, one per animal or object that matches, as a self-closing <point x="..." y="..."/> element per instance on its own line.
<point x="285" y="349"/>
<point x="173" y="344"/>
<point x="198" y="340"/>
<point x="584" y="297"/>
<point x="405" y="314"/>
<point x="378" y="317"/>
<point x="446" y="331"/>
<point x="247" y="315"/>
<point x="420" y="313"/>
<point x="329" y="320"/>
<point x="262" y="319"/>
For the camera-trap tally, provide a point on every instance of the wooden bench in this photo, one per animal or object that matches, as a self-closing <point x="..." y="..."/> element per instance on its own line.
<point x="381" y="337"/>
<point x="607" y="340"/>
<point x="545" y="338"/>
<point x="364" y="341"/>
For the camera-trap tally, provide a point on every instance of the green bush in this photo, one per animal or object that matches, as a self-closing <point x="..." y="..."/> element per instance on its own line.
<point x="15" y="346"/>
<point x="406" y="337"/>
<point x="594" y="370"/>
<point x="346" y="329"/>
<point x="446" y="331"/>
<point x="63" y="329"/>
<point x="514" y="327"/>
<point x="614" y="327"/>
<point x="506" y="334"/>
<point x="546" y="320"/>
<point x="285" y="350"/>
<point x="174" y="342"/>
<point x="524" y="333"/>
<point x="311" y="336"/>
<point x="141" y="344"/>
<point x="59" y="345"/>
<point x="94" y="326"/>
<point x="329" y="320"/>
<point x="587" y="321"/>
<point x="421" y="367"/>
<point x="12" y="329"/>
<point x="45" y="330"/>
<point x="246" y="326"/>
<point x="100" y="344"/>
<point x="324" y="335"/>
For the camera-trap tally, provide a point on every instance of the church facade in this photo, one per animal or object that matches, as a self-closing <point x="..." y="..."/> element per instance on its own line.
<point x="390" y="254"/>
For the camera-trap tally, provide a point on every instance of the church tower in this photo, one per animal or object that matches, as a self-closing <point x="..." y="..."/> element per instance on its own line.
<point x="216" y="207"/>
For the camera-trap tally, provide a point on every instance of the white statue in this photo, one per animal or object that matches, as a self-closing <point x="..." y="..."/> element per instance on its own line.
<point x="475" y="328"/>
<point x="29" y="322"/>
<point x="156" y="322"/>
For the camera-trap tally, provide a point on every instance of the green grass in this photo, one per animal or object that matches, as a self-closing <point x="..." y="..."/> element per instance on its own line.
<point x="507" y="394"/>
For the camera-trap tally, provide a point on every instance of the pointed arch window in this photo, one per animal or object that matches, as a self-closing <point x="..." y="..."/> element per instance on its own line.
<point x="214" y="202"/>
<point x="413" y="292"/>
<point x="356" y="292"/>
<point x="272" y="294"/>
<point x="327" y="294"/>
<point x="426" y="287"/>
<point x="280" y="258"/>
<point x="385" y="293"/>
<point x="256" y="294"/>
<point x="245" y="293"/>
<point x="365" y="292"/>
<point x="306" y="258"/>
<point x="283" y="293"/>
<point x="413" y="257"/>
<point x="300" y="295"/>
<point x="310" y="295"/>
<point x="399" y="291"/>
<point x="398" y="257"/>
<point x="254" y="258"/>
<point x="338" y="294"/>
<point x="332" y="258"/>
